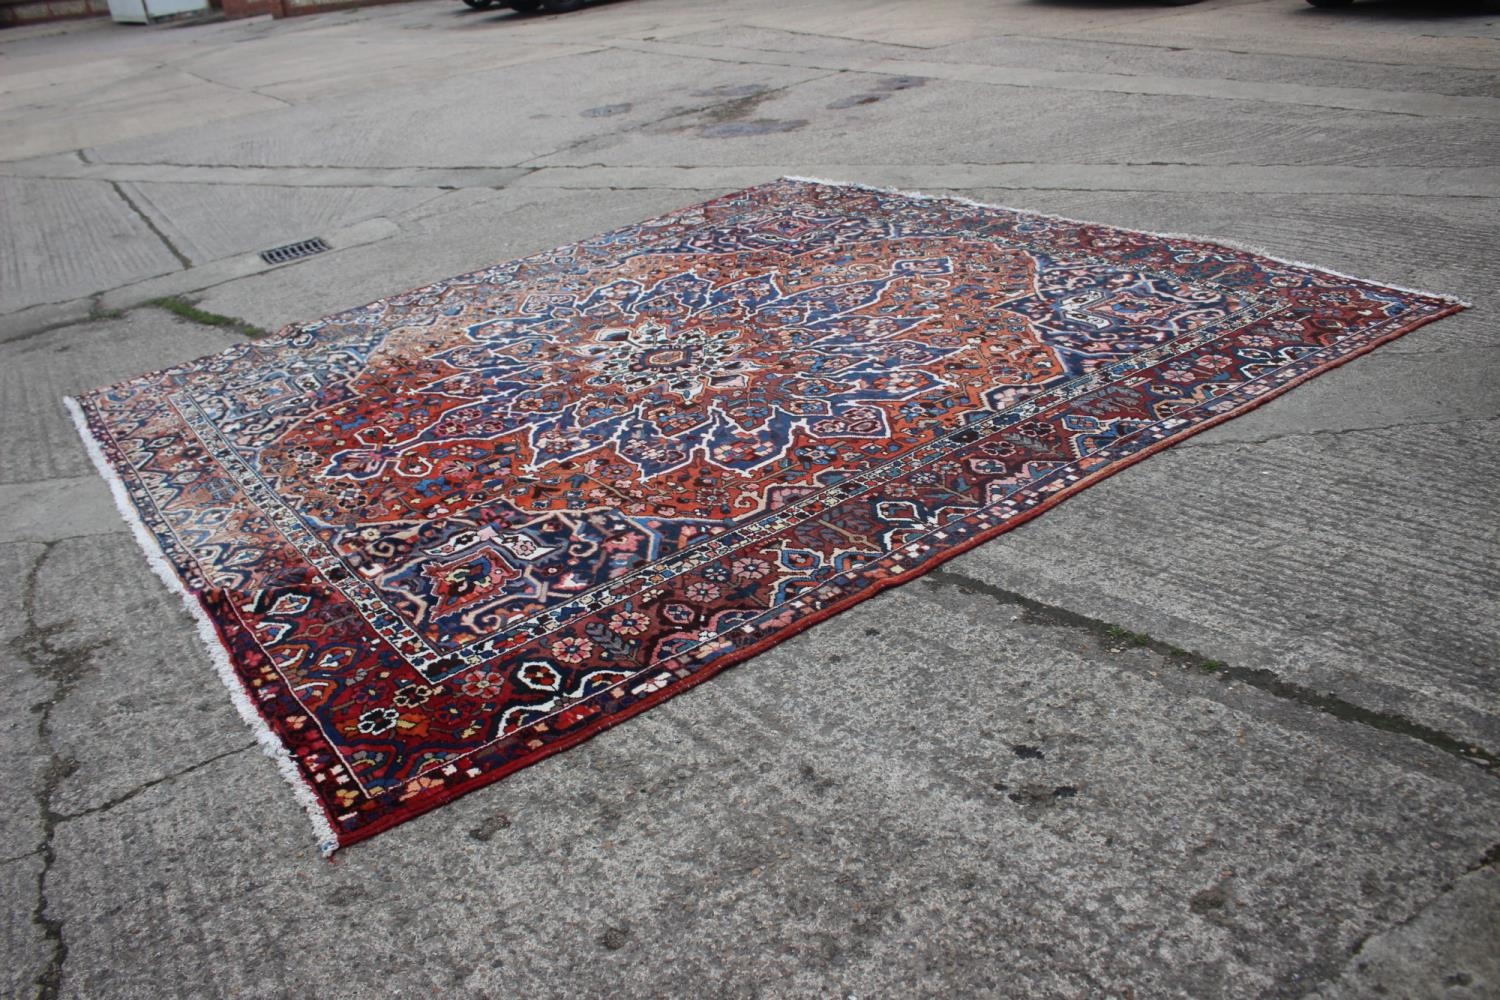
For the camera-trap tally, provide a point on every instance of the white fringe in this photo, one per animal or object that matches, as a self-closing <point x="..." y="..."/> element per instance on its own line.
<point x="1232" y="244"/>
<point x="269" y="742"/>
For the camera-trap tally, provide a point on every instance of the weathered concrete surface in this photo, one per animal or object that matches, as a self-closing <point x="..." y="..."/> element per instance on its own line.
<point x="1097" y="829"/>
<point x="395" y="126"/>
<point x="21" y="819"/>
<point x="1422" y="960"/>
<point x="113" y="98"/>
<point x="27" y="951"/>
<point x="108" y="243"/>
<point x="54" y="509"/>
<point x="972" y="786"/>
<point x="206" y="222"/>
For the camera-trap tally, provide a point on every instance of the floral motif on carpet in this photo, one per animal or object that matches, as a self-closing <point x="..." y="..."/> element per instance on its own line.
<point x="442" y="536"/>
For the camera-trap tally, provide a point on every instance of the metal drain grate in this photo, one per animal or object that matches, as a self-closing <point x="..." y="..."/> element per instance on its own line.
<point x="294" y="251"/>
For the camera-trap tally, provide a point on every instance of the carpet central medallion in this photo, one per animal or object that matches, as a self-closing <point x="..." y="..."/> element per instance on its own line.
<point x="681" y="361"/>
<point x="446" y="534"/>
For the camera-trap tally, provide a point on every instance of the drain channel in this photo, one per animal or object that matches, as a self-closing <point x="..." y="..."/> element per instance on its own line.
<point x="294" y="251"/>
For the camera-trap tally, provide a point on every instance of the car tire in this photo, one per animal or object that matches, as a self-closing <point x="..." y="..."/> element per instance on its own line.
<point x="480" y="4"/>
<point x="561" y="6"/>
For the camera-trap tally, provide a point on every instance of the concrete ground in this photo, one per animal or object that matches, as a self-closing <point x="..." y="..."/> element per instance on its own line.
<point x="1223" y="726"/>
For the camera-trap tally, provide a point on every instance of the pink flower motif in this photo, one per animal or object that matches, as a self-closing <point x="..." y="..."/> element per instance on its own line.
<point x="485" y="685"/>
<point x="702" y="592"/>
<point x="629" y="623"/>
<point x="749" y="569"/>
<point x="573" y="649"/>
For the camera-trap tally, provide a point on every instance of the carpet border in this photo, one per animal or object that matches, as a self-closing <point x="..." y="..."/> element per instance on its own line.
<point x="218" y="651"/>
<point x="1249" y="248"/>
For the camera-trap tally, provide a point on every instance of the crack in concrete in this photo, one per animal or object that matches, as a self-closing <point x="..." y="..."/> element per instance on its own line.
<point x="1332" y="432"/>
<point x="131" y="793"/>
<point x="96" y="313"/>
<point x="229" y="86"/>
<point x="1035" y="612"/>
<point x="382" y="178"/>
<point x="269" y="166"/>
<point x="349" y="238"/>
<point x="20" y="857"/>
<point x="803" y="33"/>
<point x="48" y="327"/>
<point x="1418" y="169"/>
<point x="64" y="666"/>
<point x="182" y="258"/>
<point x="1490" y="857"/>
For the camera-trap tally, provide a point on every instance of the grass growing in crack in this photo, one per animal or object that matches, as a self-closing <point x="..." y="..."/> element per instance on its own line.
<point x="1129" y="638"/>
<point x="189" y="311"/>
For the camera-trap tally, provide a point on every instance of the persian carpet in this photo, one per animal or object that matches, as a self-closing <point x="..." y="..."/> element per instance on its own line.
<point x="437" y="538"/>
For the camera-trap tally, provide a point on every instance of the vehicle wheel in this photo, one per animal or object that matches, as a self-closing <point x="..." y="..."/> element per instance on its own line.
<point x="561" y="6"/>
<point x="1330" y="3"/>
<point x="480" y="4"/>
<point x="525" y="6"/>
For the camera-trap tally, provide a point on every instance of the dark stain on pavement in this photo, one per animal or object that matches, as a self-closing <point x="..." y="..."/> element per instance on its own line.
<point x="758" y="126"/>
<point x="1041" y="795"/>
<point x="605" y="111"/>
<point x="739" y="90"/>
<point x="732" y="119"/>
<point x="486" y="831"/>
<point x="900" y="82"/>
<point x="1209" y="900"/>
<point x="856" y="100"/>
<point x="347" y="895"/>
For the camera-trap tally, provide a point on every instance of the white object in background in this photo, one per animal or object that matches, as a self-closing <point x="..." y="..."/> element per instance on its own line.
<point x="146" y="11"/>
